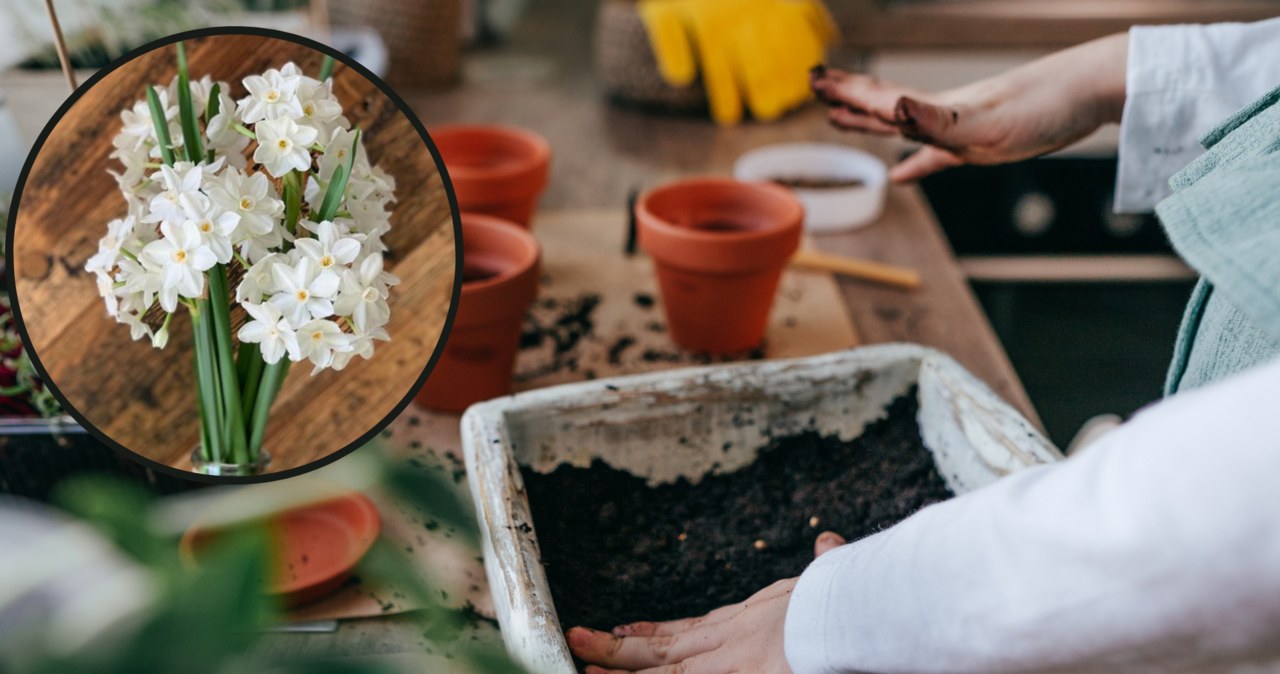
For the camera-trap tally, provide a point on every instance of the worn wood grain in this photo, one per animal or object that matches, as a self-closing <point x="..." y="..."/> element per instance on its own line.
<point x="1018" y="24"/>
<point x="144" y="398"/>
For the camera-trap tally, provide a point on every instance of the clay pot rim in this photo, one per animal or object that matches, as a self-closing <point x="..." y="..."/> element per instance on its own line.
<point x="647" y="218"/>
<point x="507" y="228"/>
<point x="536" y="158"/>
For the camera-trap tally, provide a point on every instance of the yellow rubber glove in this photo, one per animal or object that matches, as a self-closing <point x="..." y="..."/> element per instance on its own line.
<point x="757" y="50"/>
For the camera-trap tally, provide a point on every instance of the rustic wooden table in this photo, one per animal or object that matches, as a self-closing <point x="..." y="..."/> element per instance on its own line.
<point x="144" y="398"/>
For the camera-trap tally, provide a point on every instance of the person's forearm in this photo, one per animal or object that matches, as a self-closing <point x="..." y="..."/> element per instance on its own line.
<point x="1088" y="78"/>
<point x="1153" y="548"/>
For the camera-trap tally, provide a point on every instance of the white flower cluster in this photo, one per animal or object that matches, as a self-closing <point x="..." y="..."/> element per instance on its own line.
<point x="312" y="289"/>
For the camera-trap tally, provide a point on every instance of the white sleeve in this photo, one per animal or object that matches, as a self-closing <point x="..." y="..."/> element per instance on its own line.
<point x="1180" y="83"/>
<point x="1153" y="549"/>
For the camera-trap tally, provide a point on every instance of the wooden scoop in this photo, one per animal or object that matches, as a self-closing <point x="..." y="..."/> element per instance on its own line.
<point x="866" y="270"/>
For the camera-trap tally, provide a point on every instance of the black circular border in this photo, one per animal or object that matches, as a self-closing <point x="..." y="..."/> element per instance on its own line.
<point x="404" y="108"/>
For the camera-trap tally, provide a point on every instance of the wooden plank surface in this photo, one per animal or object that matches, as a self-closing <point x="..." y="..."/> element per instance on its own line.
<point x="144" y="398"/>
<point x="1038" y="24"/>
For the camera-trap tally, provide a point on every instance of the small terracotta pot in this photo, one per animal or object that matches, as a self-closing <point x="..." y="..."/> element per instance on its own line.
<point x="719" y="247"/>
<point x="315" y="547"/>
<point x="495" y="170"/>
<point x="499" y="282"/>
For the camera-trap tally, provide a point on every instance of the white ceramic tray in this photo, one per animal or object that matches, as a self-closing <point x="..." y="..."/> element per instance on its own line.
<point x="676" y="424"/>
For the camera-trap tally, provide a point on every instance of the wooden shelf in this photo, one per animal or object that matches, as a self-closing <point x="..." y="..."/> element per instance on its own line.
<point x="1022" y="24"/>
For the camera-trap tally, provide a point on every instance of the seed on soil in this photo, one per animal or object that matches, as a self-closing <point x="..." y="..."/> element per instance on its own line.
<point x="814" y="522"/>
<point x="759" y="544"/>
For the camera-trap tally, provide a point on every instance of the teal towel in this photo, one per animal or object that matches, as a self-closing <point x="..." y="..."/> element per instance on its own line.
<point x="1224" y="220"/>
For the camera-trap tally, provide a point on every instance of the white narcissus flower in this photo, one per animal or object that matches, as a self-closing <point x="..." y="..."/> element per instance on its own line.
<point x="362" y="294"/>
<point x="258" y="282"/>
<point x="250" y="197"/>
<point x="283" y="146"/>
<point x="337" y="152"/>
<point x="319" y="339"/>
<point x="271" y="332"/>
<point x="119" y="231"/>
<point x="303" y="291"/>
<point x="220" y="132"/>
<point x="272" y="95"/>
<point x="361" y="345"/>
<point x="320" y="109"/>
<point x="330" y="250"/>
<point x="139" y="130"/>
<point x="215" y="226"/>
<point x="181" y="188"/>
<point x="182" y="258"/>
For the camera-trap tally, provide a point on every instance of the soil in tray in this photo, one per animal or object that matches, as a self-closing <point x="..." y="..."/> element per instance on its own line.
<point x="617" y="550"/>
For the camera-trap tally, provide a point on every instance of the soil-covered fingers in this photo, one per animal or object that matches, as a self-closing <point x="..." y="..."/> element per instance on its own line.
<point x="826" y="542"/>
<point x="848" y="120"/>
<point x="646" y="628"/>
<point x="860" y="93"/>
<point x="637" y="653"/>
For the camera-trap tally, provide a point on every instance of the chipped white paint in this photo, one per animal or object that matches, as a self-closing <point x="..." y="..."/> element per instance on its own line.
<point x="694" y="422"/>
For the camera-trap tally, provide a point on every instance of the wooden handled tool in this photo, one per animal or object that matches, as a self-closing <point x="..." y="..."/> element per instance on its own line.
<point x="866" y="270"/>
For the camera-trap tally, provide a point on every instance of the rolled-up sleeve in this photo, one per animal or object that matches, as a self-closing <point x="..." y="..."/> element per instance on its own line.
<point x="1157" y="548"/>
<point x="1181" y="81"/>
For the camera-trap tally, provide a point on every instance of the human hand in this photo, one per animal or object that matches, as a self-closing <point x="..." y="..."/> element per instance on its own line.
<point x="1037" y="108"/>
<point x="746" y="638"/>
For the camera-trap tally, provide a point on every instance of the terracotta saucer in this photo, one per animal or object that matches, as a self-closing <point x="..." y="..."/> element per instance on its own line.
<point x="316" y="546"/>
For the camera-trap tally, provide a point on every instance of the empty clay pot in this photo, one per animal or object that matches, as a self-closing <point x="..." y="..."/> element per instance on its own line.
<point x="495" y="170"/>
<point x="719" y="247"/>
<point x="499" y="282"/>
<point x="315" y="546"/>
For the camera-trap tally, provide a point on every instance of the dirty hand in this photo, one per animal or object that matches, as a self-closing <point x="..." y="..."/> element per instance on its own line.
<point x="1037" y="108"/>
<point x="745" y="638"/>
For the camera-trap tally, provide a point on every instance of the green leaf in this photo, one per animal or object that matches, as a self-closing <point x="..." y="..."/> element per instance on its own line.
<point x="207" y="382"/>
<point x="338" y="183"/>
<point x="161" y="125"/>
<point x="191" y="141"/>
<point x="272" y="377"/>
<point x="431" y="492"/>
<point x="220" y="306"/>
<point x="292" y="200"/>
<point x="212" y="109"/>
<point x="326" y="68"/>
<point x="114" y="507"/>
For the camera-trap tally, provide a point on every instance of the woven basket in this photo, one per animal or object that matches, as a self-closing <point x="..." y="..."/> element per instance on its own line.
<point x="628" y="68"/>
<point x="423" y="37"/>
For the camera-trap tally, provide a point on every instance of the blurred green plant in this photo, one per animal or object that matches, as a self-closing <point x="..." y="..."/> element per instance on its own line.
<point x="20" y="384"/>
<point x="208" y="620"/>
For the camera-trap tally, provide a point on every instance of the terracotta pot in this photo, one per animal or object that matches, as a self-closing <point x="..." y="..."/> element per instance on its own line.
<point x="315" y="546"/>
<point x="499" y="282"/>
<point x="719" y="247"/>
<point x="495" y="170"/>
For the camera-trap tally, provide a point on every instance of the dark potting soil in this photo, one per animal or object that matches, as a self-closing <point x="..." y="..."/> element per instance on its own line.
<point x="617" y="551"/>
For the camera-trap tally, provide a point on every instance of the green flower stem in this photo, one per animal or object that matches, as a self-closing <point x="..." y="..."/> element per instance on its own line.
<point x="244" y="131"/>
<point x="161" y="125"/>
<point x="326" y="68"/>
<point x="220" y="306"/>
<point x="252" y="366"/>
<point x="206" y="385"/>
<point x="292" y="200"/>
<point x="272" y="377"/>
<point x="191" y="141"/>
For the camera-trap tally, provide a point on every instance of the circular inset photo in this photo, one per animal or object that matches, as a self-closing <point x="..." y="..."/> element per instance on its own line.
<point x="233" y="255"/>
